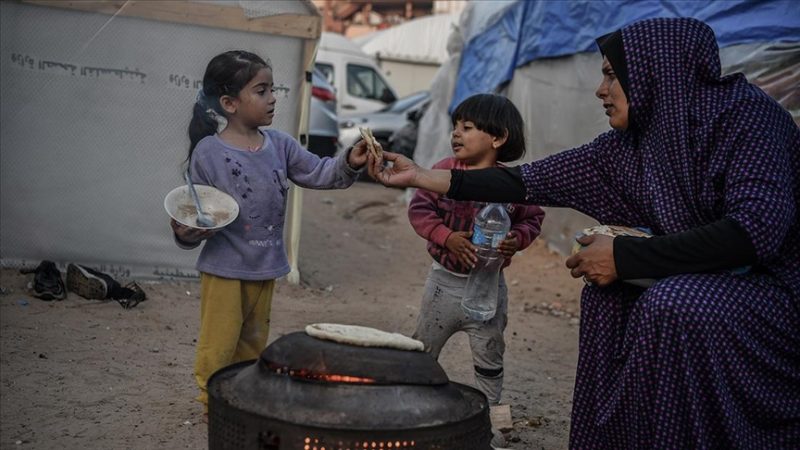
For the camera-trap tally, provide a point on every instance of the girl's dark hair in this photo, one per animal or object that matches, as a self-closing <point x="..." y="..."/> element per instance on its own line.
<point x="495" y="115"/>
<point x="226" y="74"/>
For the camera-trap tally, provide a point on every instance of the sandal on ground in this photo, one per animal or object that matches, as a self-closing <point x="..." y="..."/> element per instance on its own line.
<point x="138" y="295"/>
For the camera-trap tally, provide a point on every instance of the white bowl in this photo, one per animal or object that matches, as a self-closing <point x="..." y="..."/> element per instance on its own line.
<point x="219" y="205"/>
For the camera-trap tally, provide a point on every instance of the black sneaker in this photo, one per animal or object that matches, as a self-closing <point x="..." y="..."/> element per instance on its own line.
<point x="47" y="282"/>
<point x="85" y="284"/>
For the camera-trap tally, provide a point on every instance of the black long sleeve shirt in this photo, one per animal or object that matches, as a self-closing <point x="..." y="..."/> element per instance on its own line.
<point x="720" y="245"/>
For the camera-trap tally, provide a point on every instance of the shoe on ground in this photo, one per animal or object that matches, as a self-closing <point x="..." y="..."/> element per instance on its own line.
<point x="47" y="282"/>
<point x="498" y="440"/>
<point x="85" y="284"/>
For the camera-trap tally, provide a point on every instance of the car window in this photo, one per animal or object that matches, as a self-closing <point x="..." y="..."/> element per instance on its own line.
<point x="318" y="80"/>
<point x="405" y="103"/>
<point x="364" y="82"/>
<point x="327" y="71"/>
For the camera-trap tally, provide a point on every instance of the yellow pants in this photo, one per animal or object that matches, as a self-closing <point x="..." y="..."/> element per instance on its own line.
<point x="234" y="325"/>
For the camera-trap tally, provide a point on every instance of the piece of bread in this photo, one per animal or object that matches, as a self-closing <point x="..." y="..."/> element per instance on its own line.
<point x="372" y="144"/>
<point x="607" y="230"/>
<point x="362" y="336"/>
<point x="614" y="231"/>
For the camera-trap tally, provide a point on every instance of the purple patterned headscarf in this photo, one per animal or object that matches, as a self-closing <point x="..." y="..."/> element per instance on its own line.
<point x="700" y="148"/>
<point x="696" y="130"/>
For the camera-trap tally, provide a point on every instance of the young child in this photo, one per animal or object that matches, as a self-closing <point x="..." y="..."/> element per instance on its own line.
<point x="239" y="264"/>
<point x="487" y="129"/>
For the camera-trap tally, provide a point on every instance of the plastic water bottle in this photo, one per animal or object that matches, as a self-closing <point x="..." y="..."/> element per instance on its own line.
<point x="480" y="296"/>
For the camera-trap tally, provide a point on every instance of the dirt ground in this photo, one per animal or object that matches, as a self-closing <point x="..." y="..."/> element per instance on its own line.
<point x="88" y="374"/>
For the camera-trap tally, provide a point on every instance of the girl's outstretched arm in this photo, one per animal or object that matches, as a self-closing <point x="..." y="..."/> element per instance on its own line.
<point x="310" y="171"/>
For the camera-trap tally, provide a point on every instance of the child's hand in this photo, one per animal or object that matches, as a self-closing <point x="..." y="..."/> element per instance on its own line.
<point x="189" y="235"/>
<point x="358" y="155"/>
<point x="509" y="245"/>
<point x="459" y="244"/>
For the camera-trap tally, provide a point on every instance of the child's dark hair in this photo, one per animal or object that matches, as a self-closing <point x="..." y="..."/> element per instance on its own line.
<point x="495" y="115"/>
<point x="226" y="74"/>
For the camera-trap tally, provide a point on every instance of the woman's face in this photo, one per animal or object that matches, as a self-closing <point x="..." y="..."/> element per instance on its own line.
<point x="613" y="97"/>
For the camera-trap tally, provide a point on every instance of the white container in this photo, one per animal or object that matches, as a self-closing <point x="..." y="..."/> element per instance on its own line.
<point x="219" y="205"/>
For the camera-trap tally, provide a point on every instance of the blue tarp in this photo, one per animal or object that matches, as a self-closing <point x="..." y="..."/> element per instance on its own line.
<point x="536" y="29"/>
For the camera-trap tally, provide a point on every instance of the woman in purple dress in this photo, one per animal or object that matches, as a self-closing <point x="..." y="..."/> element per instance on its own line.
<point x="709" y="355"/>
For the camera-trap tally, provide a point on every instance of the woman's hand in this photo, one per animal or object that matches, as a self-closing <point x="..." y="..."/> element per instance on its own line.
<point x="189" y="235"/>
<point x="459" y="244"/>
<point x="595" y="261"/>
<point x="402" y="173"/>
<point x="358" y="155"/>
<point x="509" y="246"/>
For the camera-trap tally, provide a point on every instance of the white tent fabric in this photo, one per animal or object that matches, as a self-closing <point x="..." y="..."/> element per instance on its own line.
<point x="94" y="117"/>
<point x="433" y="136"/>
<point x="335" y="42"/>
<point x="419" y="40"/>
<point x="479" y="15"/>
<point x="365" y="38"/>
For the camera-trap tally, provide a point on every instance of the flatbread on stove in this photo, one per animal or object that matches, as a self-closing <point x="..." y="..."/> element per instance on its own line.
<point x="362" y="336"/>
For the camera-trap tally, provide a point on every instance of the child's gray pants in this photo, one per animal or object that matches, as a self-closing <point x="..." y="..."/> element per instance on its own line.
<point x="441" y="316"/>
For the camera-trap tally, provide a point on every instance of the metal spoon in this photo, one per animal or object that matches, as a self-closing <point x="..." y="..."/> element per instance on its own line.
<point x="203" y="219"/>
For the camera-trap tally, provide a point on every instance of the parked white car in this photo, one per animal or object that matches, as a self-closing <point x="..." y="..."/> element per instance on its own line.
<point x="384" y="122"/>
<point x="360" y="86"/>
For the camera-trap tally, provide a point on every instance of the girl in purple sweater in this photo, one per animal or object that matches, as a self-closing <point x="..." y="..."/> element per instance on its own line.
<point x="239" y="264"/>
<point x="487" y="129"/>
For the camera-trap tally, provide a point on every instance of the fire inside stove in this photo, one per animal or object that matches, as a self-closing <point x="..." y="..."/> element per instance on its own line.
<point x="305" y="393"/>
<point x="315" y="444"/>
<point x="304" y="374"/>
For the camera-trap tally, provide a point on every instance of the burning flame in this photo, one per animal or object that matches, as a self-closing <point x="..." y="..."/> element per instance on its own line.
<point x="325" y="377"/>
<point x="313" y="444"/>
<point x="344" y="379"/>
